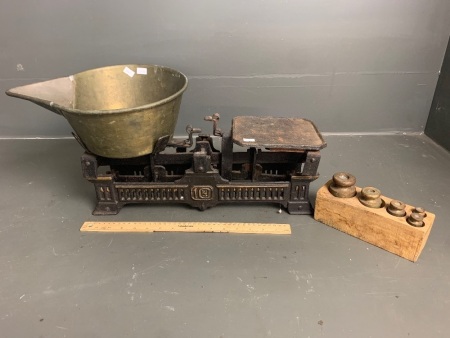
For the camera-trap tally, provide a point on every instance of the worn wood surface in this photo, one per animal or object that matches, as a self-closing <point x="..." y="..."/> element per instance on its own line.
<point x="375" y="226"/>
<point x="281" y="133"/>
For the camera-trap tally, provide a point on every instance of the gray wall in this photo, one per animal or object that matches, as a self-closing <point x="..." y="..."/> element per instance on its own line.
<point x="351" y="66"/>
<point x="438" y="124"/>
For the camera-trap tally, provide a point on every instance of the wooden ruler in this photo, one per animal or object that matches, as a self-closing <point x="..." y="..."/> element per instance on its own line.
<point x="242" y="228"/>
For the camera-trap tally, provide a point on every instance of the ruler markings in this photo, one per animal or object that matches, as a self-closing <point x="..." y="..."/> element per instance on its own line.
<point x="222" y="227"/>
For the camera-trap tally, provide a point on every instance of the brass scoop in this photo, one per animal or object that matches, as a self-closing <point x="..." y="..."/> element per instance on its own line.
<point x="117" y="111"/>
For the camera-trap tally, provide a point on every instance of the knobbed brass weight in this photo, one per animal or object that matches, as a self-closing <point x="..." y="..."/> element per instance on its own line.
<point x="397" y="208"/>
<point x="416" y="217"/>
<point x="343" y="185"/>
<point x="371" y="197"/>
<point x="420" y="210"/>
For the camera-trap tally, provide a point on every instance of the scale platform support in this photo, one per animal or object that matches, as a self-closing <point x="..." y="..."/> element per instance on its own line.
<point x="281" y="160"/>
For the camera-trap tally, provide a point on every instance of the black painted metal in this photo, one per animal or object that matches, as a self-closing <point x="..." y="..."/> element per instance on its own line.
<point x="204" y="176"/>
<point x="438" y="124"/>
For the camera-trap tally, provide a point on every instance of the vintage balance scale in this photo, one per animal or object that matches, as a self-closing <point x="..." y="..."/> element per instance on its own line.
<point x="125" y="116"/>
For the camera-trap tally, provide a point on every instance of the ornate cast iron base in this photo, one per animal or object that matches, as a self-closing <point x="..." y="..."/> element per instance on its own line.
<point x="205" y="177"/>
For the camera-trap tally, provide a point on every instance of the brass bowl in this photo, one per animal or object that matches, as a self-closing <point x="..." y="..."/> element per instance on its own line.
<point x="117" y="111"/>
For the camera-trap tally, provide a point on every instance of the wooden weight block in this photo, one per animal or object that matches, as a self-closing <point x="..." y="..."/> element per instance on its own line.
<point x="373" y="225"/>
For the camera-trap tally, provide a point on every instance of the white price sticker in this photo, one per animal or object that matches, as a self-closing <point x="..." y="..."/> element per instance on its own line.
<point x="128" y="71"/>
<point x="141" y="71"/>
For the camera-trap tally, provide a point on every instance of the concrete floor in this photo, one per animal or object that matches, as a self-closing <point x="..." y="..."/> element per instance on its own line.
<point x="318" y="282"/>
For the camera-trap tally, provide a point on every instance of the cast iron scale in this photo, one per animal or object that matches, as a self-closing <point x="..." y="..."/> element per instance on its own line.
<point x="280" y="159"/>
<point x="119" y="113"/>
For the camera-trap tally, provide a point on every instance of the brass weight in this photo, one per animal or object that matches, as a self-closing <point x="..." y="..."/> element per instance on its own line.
<point x="397" y="208"/>
<point x="371" y="197"/>
<point x="343" y="185"/>
<point x="415" y="219"/>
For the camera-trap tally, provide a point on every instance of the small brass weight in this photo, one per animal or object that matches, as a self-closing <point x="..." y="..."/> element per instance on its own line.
<point x="371" y="197"/>
<point x="397" y="208"/>
<point x="416" y="217"/>
<point x="343" y="185"/>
